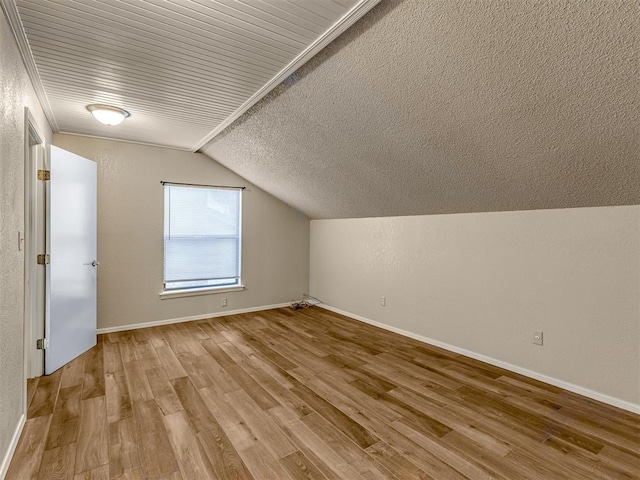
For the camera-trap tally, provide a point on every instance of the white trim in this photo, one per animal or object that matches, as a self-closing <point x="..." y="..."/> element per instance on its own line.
<point x="135" y="326"/>
<point x="13" y="17"/>
<point x="6" y="461"/>
<point x="32" y="357"/>
<point x="111" y="139"/>
<point x="601" y="397"/>
<point x="192" y="292"/>
<point x="348" y="19"/>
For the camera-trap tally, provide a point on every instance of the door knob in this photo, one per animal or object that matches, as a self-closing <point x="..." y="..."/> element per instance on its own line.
<point x="95" y="263"/>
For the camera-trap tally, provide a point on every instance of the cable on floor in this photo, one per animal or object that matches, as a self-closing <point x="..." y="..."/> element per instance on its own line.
<point x="307" y="301"/>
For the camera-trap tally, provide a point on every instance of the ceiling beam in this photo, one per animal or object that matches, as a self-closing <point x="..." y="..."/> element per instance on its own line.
<point x="351" y="17"/>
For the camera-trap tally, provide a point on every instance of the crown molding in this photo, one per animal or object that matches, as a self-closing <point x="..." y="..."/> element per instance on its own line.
<point x="13" y="17"/>
<point x="122" y="140"/>
<point x="348" y="19"/>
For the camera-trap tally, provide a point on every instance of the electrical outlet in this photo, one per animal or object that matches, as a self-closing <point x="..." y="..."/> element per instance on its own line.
<point x="223" y="302"/>
<point x="383" y="301"/>
<point x="537" y="338"/>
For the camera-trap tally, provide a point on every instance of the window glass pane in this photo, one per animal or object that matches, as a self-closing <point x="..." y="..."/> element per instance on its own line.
<point x="201" y="237"/>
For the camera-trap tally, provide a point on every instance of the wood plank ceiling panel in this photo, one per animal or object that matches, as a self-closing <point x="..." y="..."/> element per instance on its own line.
<point x="183" y="68"/>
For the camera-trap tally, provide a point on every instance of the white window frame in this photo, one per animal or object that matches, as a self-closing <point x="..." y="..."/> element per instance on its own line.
<point x="205" y="290"/>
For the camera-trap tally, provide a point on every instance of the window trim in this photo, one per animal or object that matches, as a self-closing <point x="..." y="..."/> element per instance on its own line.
<point x="206" y="290"/>
<point x="193" y="292"/>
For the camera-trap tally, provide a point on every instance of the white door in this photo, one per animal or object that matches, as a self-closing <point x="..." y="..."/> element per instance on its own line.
<point x="70" y="321"/>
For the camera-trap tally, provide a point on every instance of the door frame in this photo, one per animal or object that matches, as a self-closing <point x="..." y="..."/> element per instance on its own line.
<point x="34" y="140"/>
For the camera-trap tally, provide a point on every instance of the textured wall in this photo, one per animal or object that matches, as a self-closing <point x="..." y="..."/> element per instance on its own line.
<point x="486" y="281"/>
<point x="15" y="94"/>
<point x="455" y="106"/>
<point x="275" y="237"/>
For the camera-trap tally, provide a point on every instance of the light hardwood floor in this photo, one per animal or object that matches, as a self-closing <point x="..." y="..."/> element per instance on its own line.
<point x="308" y="395"/>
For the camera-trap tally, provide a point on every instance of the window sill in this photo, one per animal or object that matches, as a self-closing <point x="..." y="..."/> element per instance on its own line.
<point x="192" y="292"/>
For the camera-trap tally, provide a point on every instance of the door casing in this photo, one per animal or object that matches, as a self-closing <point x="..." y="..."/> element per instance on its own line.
<point x="33" y="242"/>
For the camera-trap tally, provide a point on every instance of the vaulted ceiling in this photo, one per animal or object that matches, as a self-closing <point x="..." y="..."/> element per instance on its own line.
<point x="444" y="106"/>
<point x="421" y="107"/>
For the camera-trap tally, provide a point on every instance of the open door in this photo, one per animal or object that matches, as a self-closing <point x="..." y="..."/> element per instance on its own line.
<point x="70" y="317"/>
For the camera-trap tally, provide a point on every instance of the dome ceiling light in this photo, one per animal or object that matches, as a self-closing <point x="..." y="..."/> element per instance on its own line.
<point x="107" y="114"/>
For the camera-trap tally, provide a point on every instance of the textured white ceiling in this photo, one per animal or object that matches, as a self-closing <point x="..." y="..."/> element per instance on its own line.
<point x="183" y="68"/>
<point x="455" y="106"/>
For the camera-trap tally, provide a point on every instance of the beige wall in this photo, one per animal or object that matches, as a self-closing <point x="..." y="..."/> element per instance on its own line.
<point x="275" y="237"/>
<point x="16" y="93"/>
<point x="485" y="282"/>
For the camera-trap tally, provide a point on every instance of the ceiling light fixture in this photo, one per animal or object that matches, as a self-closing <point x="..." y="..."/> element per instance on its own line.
<point x="107" y="114"/>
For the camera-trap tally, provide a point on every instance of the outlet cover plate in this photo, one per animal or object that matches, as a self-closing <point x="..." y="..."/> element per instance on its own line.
<point x="537" y="338"/>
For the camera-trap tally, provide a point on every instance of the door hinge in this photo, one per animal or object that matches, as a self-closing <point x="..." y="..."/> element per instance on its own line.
<point x="42" y="259"/>
<point x="42" y="343"/>
<point x="44" y="175"/>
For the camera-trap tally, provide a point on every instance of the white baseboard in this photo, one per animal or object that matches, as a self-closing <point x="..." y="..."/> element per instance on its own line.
<point x="4" y="466"/>
<point x="134" y="326"/>
<point x="601" y="397"/>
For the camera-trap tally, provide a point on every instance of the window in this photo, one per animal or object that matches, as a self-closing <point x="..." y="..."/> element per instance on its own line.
<point x="201" y="237"/>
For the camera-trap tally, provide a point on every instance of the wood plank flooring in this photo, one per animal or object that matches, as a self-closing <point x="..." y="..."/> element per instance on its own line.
<point x="308" y="395"/>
